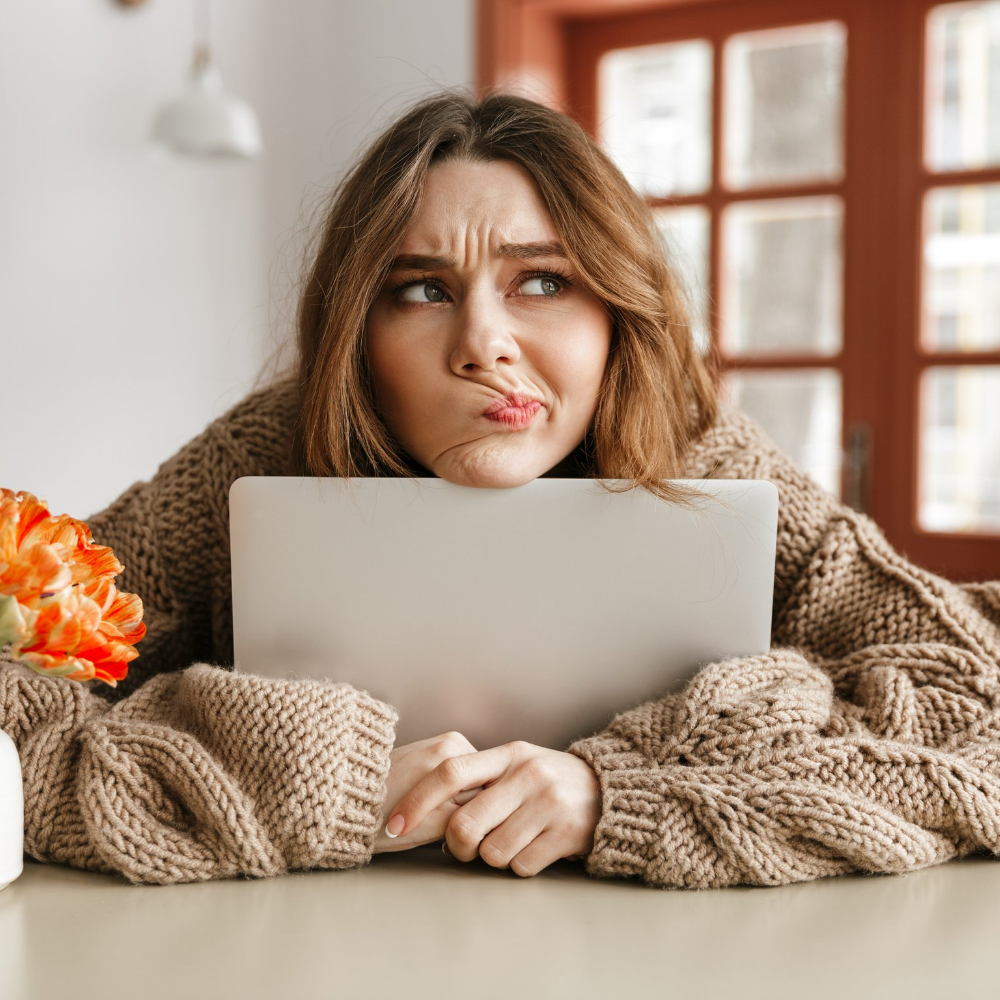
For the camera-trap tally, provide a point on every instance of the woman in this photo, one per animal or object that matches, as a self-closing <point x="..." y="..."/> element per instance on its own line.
<point x="483" y="255"/>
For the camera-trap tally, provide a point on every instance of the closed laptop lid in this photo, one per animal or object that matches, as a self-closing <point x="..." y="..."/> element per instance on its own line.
<point x="536" y="612"/>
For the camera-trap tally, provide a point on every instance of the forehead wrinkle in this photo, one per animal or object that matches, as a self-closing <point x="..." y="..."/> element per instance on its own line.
<point x="507" y="251"/>
<point x="492" y="207"/>
<point x="440" y="244"/>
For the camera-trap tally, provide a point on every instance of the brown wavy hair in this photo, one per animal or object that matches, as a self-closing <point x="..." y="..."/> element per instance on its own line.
<point x="658" y="393"/>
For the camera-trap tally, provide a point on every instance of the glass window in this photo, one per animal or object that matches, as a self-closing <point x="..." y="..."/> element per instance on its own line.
<point x="961" y="286"/>
<point x="782" y="276"/>
<point x="960" y="449"/>
<point x="801" y="411"/>
<point x="963" y="86"/>
<point x="784" y="105"/>
<point x="656" y="116"/>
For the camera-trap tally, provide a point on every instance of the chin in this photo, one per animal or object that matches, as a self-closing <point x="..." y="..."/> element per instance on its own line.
<point x="492" y="475"/>
<point x="496" y="481"/>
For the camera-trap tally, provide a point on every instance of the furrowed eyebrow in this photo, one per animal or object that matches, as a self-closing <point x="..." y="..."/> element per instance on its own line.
<point x="419" y="262"/>
<point x="527" y="251"/>
<point x="514" y="251"/>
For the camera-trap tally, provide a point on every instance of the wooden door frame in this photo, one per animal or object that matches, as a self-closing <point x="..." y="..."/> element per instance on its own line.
<point x="534" y="47"/>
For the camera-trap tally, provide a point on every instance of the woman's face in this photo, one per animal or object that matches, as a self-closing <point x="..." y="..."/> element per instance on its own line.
<point x="482" y="310"/>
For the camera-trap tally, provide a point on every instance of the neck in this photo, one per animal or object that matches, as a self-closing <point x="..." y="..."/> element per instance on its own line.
<point x="573" y="466"/>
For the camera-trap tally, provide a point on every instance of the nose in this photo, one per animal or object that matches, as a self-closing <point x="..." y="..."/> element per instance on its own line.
<point x="483" y="338"/>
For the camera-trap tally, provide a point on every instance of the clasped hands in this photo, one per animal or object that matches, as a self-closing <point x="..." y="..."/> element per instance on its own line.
<point x="517" y="806"/>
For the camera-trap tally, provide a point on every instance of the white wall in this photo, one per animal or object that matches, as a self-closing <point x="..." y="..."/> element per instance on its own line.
<point x="139" y="295"/>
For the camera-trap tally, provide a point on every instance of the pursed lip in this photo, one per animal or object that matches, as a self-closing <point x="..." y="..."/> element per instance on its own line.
<point x="511" y="401"/>
<point x="514" y="412"/>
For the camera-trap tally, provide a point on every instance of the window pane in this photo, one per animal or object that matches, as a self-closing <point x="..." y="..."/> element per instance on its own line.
<point x="960" y="449"/>
<point x="783" y="118"/>
<point x="962" y="268"/>
<point x="686" y="233"/>
<point x="963" y="86"/>
<point x="656" y="116"/>
<point x="801" y="411"/>
<point x="782" y="277"/>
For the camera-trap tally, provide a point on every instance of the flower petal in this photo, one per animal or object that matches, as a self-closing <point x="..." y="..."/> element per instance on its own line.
<point x="126" y="615"/>
<point x="36" y="570"/>
<point x="31" y="513"/>
<point x="94" y="561"/>
<point x="58" y="666"/>
<point x="13" y="627"/>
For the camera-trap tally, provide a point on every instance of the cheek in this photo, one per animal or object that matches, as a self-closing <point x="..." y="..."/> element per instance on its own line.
<point x="385" y="362"/>
<point x="400" y="386"/>
<point x="586" y="356"/>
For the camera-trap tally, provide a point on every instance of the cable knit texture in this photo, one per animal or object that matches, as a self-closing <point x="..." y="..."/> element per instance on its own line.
<point x="867" y="739"/>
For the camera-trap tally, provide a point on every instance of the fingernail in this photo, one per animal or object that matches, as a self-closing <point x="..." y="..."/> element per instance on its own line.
<point x="444" y="847"/>
<point x="395" y="826"/>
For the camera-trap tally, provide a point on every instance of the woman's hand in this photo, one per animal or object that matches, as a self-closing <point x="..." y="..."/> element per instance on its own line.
<point x="408" y="764"/>
<point x="538" y="805"/>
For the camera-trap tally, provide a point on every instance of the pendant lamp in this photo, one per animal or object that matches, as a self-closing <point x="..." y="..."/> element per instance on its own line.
<point x="206" y="120"/>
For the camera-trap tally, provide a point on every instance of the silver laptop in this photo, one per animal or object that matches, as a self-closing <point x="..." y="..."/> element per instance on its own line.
<point x="534" y="613"/>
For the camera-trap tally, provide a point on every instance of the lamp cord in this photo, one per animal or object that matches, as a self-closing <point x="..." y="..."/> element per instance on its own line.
<point x="202" y="33"/>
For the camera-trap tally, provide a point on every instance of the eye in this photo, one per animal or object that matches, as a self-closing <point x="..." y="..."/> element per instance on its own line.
<point x="422" y="291"/>
<point x="543" y="285"/>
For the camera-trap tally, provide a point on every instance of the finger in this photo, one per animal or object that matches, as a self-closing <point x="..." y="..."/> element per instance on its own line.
<point x="451" y="776"/>
<point x="467" y="796"/>
<point x="540" y="853"/>
<point x="431" y="830"/>
<point x="506" y="840"/>
<point x="469" y="825"/>
<point x="386" y="841"/>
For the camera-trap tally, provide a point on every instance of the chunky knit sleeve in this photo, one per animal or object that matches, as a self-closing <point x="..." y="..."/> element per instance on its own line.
<point x="867" y="739"/>
<point x="200" y="774"/>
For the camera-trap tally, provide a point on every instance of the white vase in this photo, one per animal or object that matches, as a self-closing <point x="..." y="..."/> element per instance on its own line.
<point x="11" y="812"/>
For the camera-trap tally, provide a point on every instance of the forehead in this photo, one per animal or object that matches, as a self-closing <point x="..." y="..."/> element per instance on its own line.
<point x="496" y="200"/>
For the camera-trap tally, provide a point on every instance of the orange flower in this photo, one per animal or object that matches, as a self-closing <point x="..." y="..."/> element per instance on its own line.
<point x="59" y="608"/>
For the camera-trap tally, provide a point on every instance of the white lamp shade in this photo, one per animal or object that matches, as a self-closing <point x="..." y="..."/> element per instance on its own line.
<point x="207" y="121"/>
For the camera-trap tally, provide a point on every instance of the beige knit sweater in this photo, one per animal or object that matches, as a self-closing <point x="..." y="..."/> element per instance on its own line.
<point x="867" y="739"/>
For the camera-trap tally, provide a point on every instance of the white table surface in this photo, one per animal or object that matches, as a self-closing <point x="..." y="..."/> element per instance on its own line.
<point x="417" y="924"/>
